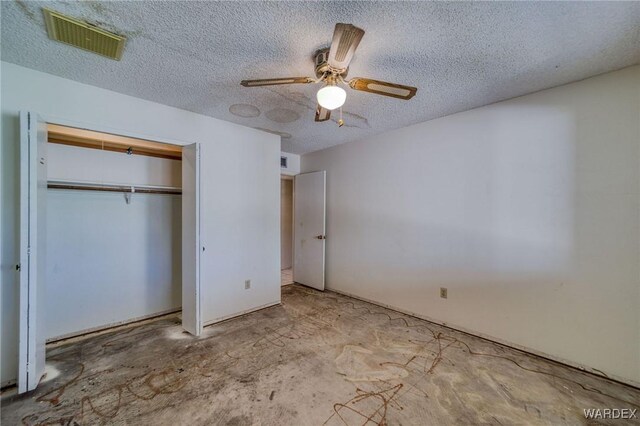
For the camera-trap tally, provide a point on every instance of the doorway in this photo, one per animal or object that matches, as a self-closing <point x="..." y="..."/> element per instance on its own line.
<point x="309" y="211"/>
<point x="286" y="230"/>
<point x="110" y="224"/>
<point x="302" y="228"/>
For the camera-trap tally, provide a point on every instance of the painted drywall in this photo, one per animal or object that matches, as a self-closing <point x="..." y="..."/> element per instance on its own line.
<point x="240" y="184"/>
<point x="240" y="223"/>
<point x="109" y="261"/>
<point x="286" y="223"/>
<point x="75" y="164"/>
<point x="293" y="164"/>
<point x="526" y="210"/>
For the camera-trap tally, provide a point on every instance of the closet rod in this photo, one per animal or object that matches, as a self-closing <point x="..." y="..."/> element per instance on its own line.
<point x="115" y="188"/>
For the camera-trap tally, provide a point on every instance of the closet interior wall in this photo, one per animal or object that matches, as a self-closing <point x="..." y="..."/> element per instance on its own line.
<point x="112" y="256"/>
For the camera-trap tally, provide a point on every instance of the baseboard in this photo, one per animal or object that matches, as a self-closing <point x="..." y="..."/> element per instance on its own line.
<point x="7" y="384"/>
<point x="493" y="339"/>
<point x="239" y="314"/>
<point x="113" y="326"/>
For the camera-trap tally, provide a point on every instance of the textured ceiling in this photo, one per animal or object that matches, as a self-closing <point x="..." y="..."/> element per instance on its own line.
<point x="192" y="55"/>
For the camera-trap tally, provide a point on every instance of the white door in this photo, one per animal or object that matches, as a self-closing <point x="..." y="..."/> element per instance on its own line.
<point x="33" y="193"/>
<point x="309" y="231"/>
<point x="191" y="316"/>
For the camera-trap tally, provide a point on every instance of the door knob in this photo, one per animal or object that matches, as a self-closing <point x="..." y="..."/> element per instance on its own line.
<point x="321" y="237"/>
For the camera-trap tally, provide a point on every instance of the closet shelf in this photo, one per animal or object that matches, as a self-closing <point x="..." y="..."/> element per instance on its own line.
<point x="138" y="189"/>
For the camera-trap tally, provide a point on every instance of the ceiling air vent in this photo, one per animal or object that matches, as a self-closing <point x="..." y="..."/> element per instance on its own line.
<point x="83" y="35"/>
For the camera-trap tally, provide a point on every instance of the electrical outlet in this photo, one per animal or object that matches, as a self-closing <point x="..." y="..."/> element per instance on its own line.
<point x="247" y="284"/>
<point x="443" y="292"/>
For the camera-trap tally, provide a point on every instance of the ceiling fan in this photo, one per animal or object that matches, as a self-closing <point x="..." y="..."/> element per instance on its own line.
<point x="332" y="65"/>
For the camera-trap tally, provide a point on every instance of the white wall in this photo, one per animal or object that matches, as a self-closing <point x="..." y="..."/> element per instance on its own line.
<point x="240" y="184"/>
<point x="293" y="164"/>
<point x="109" y="261"/>
<point x="528" y="211"/>
<point x="240" y="226"/>
<point x="72" y="163"/>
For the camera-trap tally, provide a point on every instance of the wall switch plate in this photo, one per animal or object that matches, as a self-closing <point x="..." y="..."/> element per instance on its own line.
<point x="443" y="292"/>
<point x="247" y="284"/>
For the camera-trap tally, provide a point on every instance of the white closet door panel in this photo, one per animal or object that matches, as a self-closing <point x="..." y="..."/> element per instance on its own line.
<point x="191" y="313"/>
<point x="33" y="195"/>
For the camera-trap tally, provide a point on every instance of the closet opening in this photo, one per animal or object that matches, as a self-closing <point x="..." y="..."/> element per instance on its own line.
<point x="114" y="207"/>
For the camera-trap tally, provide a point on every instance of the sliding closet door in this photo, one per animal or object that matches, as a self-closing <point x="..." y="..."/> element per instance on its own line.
<point x="191" y="315"/>
<point x="33" y="195"/>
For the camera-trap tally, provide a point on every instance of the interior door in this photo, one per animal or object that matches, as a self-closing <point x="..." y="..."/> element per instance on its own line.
<point x="309" y="231"/>
<point x="191" y="315"/>
<point x="33" y="193"/>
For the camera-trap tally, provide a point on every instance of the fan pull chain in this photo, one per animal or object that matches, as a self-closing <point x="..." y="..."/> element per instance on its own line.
<point x="341" y="121"/>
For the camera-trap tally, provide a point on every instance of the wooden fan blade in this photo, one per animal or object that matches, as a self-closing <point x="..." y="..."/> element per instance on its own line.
<point x="276" y="81"/>
<point x="346" y="38"/>
<point x="322" y="114"/>
<point x="383" y="88"/>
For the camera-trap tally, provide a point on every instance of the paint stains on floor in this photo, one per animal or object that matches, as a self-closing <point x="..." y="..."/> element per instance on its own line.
<point x="318" y="359"/>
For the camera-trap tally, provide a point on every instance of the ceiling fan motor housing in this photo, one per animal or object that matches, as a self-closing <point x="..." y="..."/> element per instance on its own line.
<point x="322" y="63"/>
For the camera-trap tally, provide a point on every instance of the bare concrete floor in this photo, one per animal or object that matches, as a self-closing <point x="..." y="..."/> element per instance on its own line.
<point x="319" y="359"/>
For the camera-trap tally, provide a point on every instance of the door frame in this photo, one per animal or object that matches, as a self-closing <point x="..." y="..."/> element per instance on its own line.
<point x="293" y="215"/>
<point x="52" y="119"/>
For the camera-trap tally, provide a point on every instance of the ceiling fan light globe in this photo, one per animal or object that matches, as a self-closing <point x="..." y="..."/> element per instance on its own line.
<point x="331" y="97"/>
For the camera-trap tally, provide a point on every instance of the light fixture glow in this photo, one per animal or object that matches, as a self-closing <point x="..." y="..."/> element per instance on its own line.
<point x="331" y="97"/>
